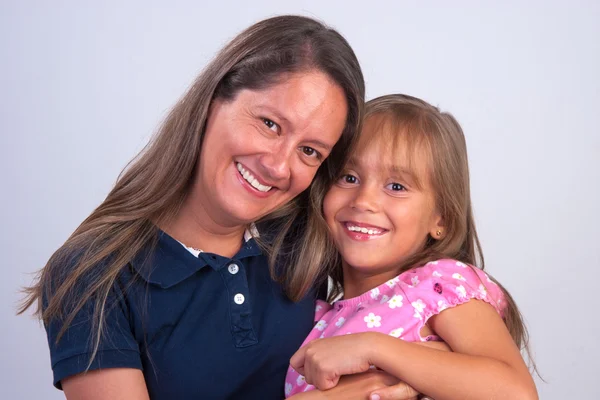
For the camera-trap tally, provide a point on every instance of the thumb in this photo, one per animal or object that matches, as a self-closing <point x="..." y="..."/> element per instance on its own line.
<point x="401" y="391"/>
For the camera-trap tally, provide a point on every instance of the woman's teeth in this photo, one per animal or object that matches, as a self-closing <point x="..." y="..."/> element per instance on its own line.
<point x="368" y="231"/>
<point x="252" y="180"/>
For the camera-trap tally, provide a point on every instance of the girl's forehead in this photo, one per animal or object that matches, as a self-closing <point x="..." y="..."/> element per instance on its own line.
<point x="389" y="146"/>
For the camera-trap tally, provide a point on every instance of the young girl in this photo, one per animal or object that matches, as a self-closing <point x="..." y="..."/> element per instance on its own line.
<point x="400" y="216"/>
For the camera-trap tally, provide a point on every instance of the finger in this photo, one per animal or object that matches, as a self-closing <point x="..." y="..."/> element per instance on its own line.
<point x="297" y="360"/>
<point x="401" y="391"/>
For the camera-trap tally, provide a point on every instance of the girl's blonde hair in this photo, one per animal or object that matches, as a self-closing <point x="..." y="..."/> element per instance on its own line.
<point x="151" y="190"/>
<point x="417" y="124"/>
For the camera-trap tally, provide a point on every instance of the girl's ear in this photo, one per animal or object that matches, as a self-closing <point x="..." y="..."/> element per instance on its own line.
<point x="438" y="228"/>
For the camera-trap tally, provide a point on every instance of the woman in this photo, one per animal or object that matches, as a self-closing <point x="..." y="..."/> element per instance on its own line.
<point x="163" y="291"/>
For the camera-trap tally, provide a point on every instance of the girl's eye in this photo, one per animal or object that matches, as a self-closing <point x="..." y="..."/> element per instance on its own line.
<point x="396" y="187"/>
<point x="347" y="178"/>
<point x="270" y="124"/>
<point x="309" y="151"/>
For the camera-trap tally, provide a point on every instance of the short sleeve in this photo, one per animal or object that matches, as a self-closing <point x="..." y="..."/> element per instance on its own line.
<point x="117" y="348"/>
<point x="447" y="283"/>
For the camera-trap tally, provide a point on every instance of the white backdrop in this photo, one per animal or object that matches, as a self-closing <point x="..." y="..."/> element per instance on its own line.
<point x="83" y="85"/>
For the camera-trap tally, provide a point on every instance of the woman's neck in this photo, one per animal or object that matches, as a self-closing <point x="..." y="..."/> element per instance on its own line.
<point x="195" y="228"/>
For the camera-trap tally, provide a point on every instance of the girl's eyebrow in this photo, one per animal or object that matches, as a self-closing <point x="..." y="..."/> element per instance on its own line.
<point x="393" y="169"/>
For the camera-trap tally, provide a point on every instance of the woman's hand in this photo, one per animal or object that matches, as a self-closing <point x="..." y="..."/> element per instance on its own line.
<point x="324" y="361"/>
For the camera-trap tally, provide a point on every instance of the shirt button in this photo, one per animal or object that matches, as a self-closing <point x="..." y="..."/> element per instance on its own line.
<point x="239" y="298"/>
<point x="233" y="269"/>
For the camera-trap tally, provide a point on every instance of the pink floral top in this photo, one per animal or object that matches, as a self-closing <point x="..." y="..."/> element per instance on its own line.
<point x="401" y="306"/>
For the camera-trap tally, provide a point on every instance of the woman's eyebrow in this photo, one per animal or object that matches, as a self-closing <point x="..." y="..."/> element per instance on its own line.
<point x="317" y="143"/>
<point x="278" y="115"/>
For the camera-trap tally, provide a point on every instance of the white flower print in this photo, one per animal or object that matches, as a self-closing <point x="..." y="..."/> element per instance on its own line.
<point x="415" y="280"/>
<point x="436" y="274"/>
<point x="392" y="282"/>
<point x="322" y="336"/>
<point x="321" y="325"/>
<point x="462" y="293"/>
<point x="432" y="263"/>
<point x="375" y="293"/>
<point x="395" y="301"/>
<point x="340" y="322"/>
<point x="482" y="290"/>
<point x="384" y="299"/>
<point x="459" y="264"/>
<point x="442" y="305"/>
<point x="288" y="388"/>
<point x="458" y="276"/>
<point x="300" y="381"/>
<point x="318" y="308"/>
<point x="418" y="305"/>
<point x="373" y="321"/>
<point x="397" y="332"/>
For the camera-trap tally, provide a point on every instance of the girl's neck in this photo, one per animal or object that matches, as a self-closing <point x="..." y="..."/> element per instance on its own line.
<point x="357" y="281"/>
<point x="195" y="228"/>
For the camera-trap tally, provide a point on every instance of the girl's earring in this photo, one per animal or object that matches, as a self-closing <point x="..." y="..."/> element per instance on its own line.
<point x="438" y="233"/>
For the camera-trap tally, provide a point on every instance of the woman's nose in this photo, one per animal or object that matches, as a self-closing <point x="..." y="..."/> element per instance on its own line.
<point x="276" y="163"/>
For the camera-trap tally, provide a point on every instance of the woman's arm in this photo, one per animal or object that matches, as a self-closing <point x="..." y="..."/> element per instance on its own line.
<point x="485" y="364"/>
<point x="106" y="384"/>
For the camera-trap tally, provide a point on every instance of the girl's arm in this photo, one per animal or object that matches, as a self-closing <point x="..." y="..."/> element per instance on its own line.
<point x="361" y="386"/>
<point x="485" y="364"/>
<point x="106" y="384"/>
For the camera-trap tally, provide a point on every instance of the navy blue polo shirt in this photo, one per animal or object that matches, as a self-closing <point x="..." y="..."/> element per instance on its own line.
<point x="205" y="327"/>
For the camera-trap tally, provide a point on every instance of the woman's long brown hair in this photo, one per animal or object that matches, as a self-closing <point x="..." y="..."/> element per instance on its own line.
<point x="151" y="190"/>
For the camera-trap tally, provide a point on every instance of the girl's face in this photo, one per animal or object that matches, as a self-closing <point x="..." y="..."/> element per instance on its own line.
<point x="263" y="148"/>
<point x="382" y="210"/>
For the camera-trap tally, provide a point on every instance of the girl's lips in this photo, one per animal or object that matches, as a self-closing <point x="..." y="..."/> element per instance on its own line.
<point x="361" y="231"/>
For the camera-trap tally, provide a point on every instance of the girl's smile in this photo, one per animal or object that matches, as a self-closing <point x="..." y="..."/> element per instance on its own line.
<point x="362" y="231"/>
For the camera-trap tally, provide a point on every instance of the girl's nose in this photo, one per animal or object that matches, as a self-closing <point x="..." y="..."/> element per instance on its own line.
<point x="366" y="199"/>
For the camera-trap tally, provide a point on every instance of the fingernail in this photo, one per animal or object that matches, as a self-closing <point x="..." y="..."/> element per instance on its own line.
<point x="375" y="397"/>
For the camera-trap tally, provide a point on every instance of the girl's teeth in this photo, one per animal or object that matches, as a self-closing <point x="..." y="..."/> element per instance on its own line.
<point x="364" y="230"/>
<point x="252" y="180"/>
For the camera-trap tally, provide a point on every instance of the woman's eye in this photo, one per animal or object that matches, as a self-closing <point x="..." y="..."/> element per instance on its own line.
<point x="309" y="151"/>
<point x="270" y="124"/>
<point x="396" y="187"/>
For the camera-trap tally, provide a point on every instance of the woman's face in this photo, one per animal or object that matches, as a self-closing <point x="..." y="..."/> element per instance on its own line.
<point x="263" y="148"/>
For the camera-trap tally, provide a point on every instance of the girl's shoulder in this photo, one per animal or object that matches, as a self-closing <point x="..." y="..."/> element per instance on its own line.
<point x="447" y="282"/>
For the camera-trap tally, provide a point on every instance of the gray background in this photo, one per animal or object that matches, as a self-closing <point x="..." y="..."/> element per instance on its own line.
<point x="83" y="85"/>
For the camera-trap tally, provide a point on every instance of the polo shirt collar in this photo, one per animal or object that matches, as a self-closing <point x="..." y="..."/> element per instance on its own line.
<point x="170" y="262"/>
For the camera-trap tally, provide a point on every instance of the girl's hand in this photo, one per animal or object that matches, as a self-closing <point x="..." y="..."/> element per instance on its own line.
<point x="359" y="386"/>
<point x="324" y="361"/>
